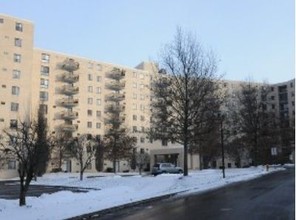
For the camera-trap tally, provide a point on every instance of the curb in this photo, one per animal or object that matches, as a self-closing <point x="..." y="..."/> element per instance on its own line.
<point x="103" y="212"/>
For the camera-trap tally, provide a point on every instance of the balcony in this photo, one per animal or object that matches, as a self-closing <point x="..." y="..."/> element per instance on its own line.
<point x="67" y="127"/>
<point x="68" y="78"/>
<point x="115" y="120"/>
<point x="116" y="86"/>
<point x="67" y="102"/>
<point x="67" y="115"/>
<point x="115" y="74"/>
<point x="115" y="97"/>
<point x="70" y="65"/>
<point x="111" y="108"/>
<point x="68" y="90"/>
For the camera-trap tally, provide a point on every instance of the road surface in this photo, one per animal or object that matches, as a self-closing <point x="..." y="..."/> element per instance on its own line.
<point x="270" y="197"/>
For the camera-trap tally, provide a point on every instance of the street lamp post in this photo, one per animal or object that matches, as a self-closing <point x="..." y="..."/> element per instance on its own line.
<point x="222" y="144"/>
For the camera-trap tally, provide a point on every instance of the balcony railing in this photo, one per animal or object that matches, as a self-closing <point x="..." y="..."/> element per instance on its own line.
<point x="67" y="103"/>
<point x="115" y="97"/>
<point x="115" y="74"/>
<point x="114" y="120"/>
<point x="116" y="86"/>
<point x="68" y="77"/>
<point x="70" y="65"/>
<point x="111" y="108"/>
<point x="67" y="127"/>
<point x="67" y="115"/>
<point x="68" y="90"/>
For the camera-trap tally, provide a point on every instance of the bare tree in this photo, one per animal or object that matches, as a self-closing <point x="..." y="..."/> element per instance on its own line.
<point x="118" y="144"/>
<point x="60" y="150"/>
<point x="258" y="125"/>
<point x="186" y="97"/>
<point x="83" y="149"/>
<point x="24" y="143"/>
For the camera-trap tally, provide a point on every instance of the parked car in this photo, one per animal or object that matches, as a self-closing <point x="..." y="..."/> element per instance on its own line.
<point x="160" y="168"/>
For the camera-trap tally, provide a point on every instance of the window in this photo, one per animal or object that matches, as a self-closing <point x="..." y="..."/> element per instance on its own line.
<point x="90" y="77"/>
<point x="134" y="128"/>
<point x="142" y="129"/>
<point x="11" y="165"/>
<point x="142" y="97"/>
<point x="16" y="74"/>
<point x="90" y="101"/>
<point x="45" y="57"/>
<point x="1" y="20"/>
<point x="43" y="108"/>
<point x="14" y="107"/>
<point x="18" y="26"/>
<point x="99" y="78"/>
<point x="44" y="70"/>
<point x="142" y="140"/>
<point x="89" y="112"/>
<point x="43" y="96"/>
<point x="98" y="114"/>
<point x="98" y="101"/>
<point x="98" y="125"/>
<point x="89" y="166"/>
<point x="142" y="118"/>
<point x="134" y="96"/>
<point x="3" y="86"/>
<point x="99" y="67"/>
<point x="17" y="42"/>
<point x="291" y="85"/>
<point x="272" y="97"/>
<point x="44" y="83"/>
<point x="273" y="106"/>
<point x="98" y="90"/>
<point x="13" y="123"/>
<point x="134" y="117"/>
<point x="15" y="90"/>
<point x="134" y="85"/>
<point x="90" y="89"/>
<point x="141" y="86"/>
<point x="164" y="142"/>
<point x="141" y="76"/>
<point x="17" y="58"/>
<point x="134" y="74"/>
<point x="89" y="124"/>
<point x="90" y="65"/>
<point x="142" y="107"/>
<point x="134" y="106"/>
<point x="293" y="103"/>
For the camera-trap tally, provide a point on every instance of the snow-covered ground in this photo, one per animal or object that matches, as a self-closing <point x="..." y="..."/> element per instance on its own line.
<point x="109" y="190"/>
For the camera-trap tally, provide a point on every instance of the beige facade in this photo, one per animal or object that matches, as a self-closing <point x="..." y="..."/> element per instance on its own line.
<point x="30" y="77"/>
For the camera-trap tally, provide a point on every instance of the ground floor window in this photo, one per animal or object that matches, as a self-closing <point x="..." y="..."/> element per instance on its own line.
<point x="11" y="164"/>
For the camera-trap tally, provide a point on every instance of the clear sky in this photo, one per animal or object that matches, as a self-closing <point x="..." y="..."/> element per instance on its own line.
<point x="252" y="38"/>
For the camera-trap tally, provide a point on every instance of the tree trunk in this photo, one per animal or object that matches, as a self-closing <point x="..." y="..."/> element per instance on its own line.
<point x="22" y="195"/>
<point x="185" y="157"/>
<point x="114" y="166"/>
<point x="81" y="171"/>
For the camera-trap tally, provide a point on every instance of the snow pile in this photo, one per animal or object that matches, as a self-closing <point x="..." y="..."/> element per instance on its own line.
<point x="109" y="190"/>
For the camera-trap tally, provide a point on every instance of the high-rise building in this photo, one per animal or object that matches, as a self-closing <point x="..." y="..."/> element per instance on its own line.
<point x="75" y="93"/>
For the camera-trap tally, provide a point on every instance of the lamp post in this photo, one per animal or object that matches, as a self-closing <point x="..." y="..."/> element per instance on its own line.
<point x="221" y="117"/>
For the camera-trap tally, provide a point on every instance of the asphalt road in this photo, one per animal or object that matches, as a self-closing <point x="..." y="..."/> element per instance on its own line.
<point x="271" y="197"/>
<point x="11" y="189"/>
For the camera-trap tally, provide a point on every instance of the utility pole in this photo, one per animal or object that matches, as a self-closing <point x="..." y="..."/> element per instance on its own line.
<point x="222" y="145"/>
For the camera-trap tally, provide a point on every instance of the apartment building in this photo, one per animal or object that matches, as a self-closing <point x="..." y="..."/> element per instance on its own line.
<point x="74" y="92"/>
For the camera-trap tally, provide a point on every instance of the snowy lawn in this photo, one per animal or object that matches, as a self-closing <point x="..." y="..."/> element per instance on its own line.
<point x="109" y="190"/>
